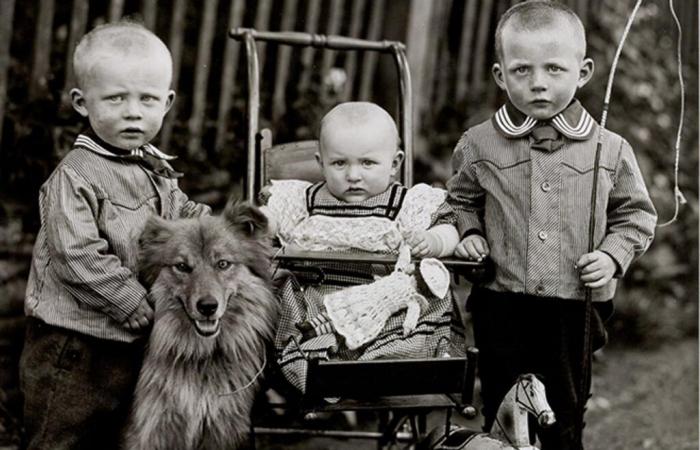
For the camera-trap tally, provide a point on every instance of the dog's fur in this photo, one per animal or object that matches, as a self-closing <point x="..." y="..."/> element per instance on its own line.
<point x="198" y="354"/>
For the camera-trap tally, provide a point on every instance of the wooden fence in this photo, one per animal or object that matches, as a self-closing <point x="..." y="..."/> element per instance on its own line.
<point x="449" y="49"/>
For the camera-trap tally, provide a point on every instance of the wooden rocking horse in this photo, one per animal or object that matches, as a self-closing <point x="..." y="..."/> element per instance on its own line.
<point x="510" y="429"/>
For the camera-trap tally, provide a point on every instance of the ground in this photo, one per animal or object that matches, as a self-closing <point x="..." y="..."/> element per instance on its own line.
<point x="643" y="399"/>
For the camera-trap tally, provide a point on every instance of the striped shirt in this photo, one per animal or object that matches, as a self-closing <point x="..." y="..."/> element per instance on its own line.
<point x="83" y="274"/>
<point x="532" y="206"/>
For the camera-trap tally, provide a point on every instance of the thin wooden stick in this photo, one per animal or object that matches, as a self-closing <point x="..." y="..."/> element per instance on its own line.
<point x="284" y="55"/>
<point x="175" y="41"/>
<point x="358" y="9"/>
<point x="228" y="74"/>
<point x="417" y="48"/>
<point x="334" y="24"/>
<point x="78" y="23"/>
<point x="148" y="9"/>
<point x="38" y="80"/>
<point x="465" y="49"/>
<point x="262" y="22"/>
<point x="369" y="64"/>
<point x="7" y="13"/>
<point x="482" y="41"/>
<point x="201" y="79"/>
<point x="116" y="9"/>
<point x="307" y="55"/>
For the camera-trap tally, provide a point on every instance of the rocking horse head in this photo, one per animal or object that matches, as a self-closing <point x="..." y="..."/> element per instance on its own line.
<point x="510" y="429"/>
<point x="527" y="396"/>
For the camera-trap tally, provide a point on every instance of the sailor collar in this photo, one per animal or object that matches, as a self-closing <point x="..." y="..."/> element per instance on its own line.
<point x="574" y="122"/>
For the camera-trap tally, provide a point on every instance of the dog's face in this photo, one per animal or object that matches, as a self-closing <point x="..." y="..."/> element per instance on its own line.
<point x="195" y="267"/>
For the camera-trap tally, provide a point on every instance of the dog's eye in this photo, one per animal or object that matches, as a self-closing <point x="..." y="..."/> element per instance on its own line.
<point x="222" y="264"/>
<point x="182" y="267"/>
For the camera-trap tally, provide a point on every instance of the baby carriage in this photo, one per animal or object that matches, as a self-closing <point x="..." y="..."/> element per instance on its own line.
<point x="401" y="391"/>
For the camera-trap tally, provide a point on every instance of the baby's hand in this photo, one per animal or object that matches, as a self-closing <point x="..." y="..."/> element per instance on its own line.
<point x="473" y="247"/>
<point x="423" y="244"/>
<point x="141" y="317"/>
<point x="596" y="269"/>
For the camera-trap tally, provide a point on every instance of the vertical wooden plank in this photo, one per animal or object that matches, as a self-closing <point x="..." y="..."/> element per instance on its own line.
<point x="116" y="10"/>
<point x="38" y="79"/>
<point x="284" y="54"/>
<point x="582" y="11"/>
<point x="7" y="13"/>
<point x="369" y="61"/>
<point x="175" y="41"/>
<point x="482" y="42"/>
<point x="442" y="87"/>
<point x="437" y="27"/>
<point x="313" y="10"/>
<point x="148" y="10"/>
<point x="417" y="36"/>
<point x="465" y="48"/>
<point x="201" y="79"/>
<point x="333" y="28"/>
<point x="228" y="74"/>
<point x="78" y="23"/>
<point x="358" y="10"/>
<point x="262" y="22"/>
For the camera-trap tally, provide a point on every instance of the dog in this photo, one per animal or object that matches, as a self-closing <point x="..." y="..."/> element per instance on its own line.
<point x="215" y="313"/>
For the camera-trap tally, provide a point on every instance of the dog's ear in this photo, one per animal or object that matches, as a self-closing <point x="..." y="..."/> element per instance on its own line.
<point x="156" y="233"/>
<point x="245" y="217"/>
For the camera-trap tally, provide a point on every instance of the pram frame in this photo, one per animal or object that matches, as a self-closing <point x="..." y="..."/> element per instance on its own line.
<point x="446" y="383"/>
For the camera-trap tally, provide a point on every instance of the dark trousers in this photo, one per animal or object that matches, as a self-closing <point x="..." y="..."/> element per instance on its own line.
<point x="77" y="388"/>
<point x="517" y="334"/>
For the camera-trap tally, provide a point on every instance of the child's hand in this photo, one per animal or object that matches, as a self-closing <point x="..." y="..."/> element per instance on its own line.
<point x="422" y="244"/>
<point x="141" y="317"/>
<point x="596" y="269"/>
<point x="474" y="247"/>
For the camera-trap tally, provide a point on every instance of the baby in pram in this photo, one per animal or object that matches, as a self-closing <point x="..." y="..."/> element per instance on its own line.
<point x="359" y="206"/>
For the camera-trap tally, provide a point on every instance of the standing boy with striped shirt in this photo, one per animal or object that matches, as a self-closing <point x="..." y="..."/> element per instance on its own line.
<point x="86" y="308"/>
<point x="521" y="195"/>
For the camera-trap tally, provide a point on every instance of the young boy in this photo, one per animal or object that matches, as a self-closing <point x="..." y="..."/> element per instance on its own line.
<point x="86" y="308"/>
<point x="521" y="195"/>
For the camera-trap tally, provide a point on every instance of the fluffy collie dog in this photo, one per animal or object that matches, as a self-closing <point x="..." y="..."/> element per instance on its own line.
<point x="215" y="313"/>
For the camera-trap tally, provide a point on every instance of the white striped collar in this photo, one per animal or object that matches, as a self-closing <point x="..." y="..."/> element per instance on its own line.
<point x="87" y="142"/>
<point x="574" y="122"/>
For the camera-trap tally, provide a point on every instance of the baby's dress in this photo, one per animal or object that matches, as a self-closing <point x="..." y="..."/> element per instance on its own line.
<point x="310" y="218"/>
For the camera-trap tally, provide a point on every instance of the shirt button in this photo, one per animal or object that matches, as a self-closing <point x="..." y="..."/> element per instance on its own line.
<point x="542" y="235"/>
<point x="546" y="187"/>
<point x="540" y="289"/>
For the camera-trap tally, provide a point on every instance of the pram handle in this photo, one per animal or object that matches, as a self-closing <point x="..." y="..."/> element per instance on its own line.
<point x="316" y="40"/>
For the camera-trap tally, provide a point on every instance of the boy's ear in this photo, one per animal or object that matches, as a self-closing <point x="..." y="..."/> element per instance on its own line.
<point x="169" y="100"/>
<point x="78" y="101"/>
<point x="319" y="160"/>
<point x="586" y="72"/>
<point x="497" y="73"/>
<point x="246" y="217"/>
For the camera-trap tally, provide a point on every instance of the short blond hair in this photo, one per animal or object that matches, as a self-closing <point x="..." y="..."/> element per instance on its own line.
<point x="125" y="38"/>
<point x="535" y="14"/>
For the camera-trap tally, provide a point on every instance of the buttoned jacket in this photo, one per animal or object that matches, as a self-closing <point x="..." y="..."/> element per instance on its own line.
<point x="93" y="207"/>
<point x="533" y="206"/>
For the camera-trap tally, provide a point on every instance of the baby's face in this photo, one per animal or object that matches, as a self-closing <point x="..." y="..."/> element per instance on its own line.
<point x="359" y="161"/>
<point x="125" y="98"/>
<point x="542" y="69"/>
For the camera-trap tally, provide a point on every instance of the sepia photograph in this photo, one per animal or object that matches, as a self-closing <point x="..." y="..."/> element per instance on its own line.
<point x="349" y="224"/>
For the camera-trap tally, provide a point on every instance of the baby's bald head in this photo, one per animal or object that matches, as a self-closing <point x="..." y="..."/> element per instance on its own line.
<point x="362" y="119"/>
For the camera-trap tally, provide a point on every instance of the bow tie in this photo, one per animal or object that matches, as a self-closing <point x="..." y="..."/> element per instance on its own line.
<point x="151" y="161"/>
<point x="546" y="138"/>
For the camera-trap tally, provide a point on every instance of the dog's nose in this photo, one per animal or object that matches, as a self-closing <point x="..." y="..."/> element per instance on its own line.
<point x="207" y="305"/>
